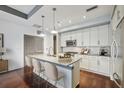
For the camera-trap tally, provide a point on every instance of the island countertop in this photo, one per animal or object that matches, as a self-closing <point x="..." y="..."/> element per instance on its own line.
<point x="55" y="60"/>
<point x="71" y="69"/>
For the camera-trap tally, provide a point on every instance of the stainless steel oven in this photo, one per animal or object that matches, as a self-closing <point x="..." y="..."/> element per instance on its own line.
<point x="71" y="43"/>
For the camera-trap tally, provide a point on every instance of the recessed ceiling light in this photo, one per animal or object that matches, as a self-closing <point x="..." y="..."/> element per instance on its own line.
<point x="70" y="21"/>
<point x="84" y="17"/>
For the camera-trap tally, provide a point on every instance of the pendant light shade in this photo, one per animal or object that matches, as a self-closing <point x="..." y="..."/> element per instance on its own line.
<point x="54" y="32"/>
<point x="42" y="32"/>
<point x="54" y="29"/>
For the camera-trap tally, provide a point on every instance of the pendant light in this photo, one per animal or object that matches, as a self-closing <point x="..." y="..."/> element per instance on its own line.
<point x="42" y="32"/>
<point x="54" y="29"/>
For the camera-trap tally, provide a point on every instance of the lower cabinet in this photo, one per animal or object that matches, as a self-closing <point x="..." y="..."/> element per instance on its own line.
<point x="103" y="65"/>
<point x="85" y="62"/>
<point x="93" y="63"/>
<point x="96" y="64"/>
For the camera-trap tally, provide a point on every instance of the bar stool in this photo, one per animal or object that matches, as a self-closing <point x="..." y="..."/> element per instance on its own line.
<point x="38" y="69"/>
<point x="28" y="64"/>
<point x="28" y="70"/>
<point x="51" y="72"/>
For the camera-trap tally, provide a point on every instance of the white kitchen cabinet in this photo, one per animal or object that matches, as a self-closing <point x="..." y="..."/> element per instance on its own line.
<point x="103" y="35"/>
<point x="72" y="35"/>
<point x="94" y="36"/>
<point x="85" y="62"/>
<point x="103" y="65"/>
<point x="93" y="65"/>
<point x="96" y="64"/>
<point x="86" y="37"/>
<point x="79" y="39"/>
<point x="63" y="40"/>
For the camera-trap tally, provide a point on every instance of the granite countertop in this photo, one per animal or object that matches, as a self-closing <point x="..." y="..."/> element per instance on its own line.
<point x="55" y="60"/>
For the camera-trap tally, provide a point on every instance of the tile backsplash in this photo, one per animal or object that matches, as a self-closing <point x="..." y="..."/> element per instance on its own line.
<point x="95" y="50"/>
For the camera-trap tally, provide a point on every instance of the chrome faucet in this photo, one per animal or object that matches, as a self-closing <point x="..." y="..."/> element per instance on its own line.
<point x="50" y="51"/>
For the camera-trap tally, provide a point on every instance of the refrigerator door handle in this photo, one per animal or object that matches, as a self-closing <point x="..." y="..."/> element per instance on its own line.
<point x="116" y="50"/>
<point x="112" y="51"/>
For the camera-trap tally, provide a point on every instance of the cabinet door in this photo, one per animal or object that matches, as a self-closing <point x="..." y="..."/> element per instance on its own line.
<point x="84" y="63"/>
<point x="74" y="35"/>
<point x="79" y="39"/>
<point x="94" y="36"/>
<point x="93" y="63"/>
<point x="85" y="38"/>
<point x="68" y="36"/>
<point x="63" y="40"/>
<point x="103" y="35"/>
<point x="103" y="63"/>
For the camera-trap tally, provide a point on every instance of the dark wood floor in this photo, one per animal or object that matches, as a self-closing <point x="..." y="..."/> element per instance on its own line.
<point x="21" y="79"/>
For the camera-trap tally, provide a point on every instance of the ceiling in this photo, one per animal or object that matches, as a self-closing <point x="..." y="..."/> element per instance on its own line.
<point x="66" y="15"/>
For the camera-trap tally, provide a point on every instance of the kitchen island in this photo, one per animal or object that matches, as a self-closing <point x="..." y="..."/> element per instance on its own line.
<point x="70" y="69"/>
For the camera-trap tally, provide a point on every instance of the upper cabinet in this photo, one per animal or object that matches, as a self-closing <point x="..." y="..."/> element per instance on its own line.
<point x="94" y="36"/>
<point x="79" y="38"/>
<point x="117" y="16"/>
<point x="99" y="36"/>
<point x="103" y="35"/>
<point x="86" y="37"/>
<point x="63" y="39"/>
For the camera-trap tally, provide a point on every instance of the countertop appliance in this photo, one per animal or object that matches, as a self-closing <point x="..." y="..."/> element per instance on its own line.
<point x="71" y="43"/>
<point x="117" y="54"/>
<point x="104" y="51"/>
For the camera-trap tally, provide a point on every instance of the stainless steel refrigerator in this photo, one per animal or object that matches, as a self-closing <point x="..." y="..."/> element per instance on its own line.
<point x="117" y="53"/>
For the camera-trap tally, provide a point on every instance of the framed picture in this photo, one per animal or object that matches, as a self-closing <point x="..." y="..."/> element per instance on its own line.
<point x="1" y="40"/>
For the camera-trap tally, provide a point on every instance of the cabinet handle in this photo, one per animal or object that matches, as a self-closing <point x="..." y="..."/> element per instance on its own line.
<point x="98" y="42"/>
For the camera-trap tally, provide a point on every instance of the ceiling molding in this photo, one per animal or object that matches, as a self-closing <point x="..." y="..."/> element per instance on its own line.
<point x="15" y="12"/>
<point x="34" y="10"/>
<point x="91" y="23"/>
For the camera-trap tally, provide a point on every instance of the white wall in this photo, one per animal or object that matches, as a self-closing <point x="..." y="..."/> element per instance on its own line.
<point x="14" y="42"/>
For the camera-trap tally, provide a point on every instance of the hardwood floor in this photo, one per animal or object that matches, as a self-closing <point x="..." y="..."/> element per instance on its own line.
<point x="21" y="79"/>
<point x="92" y="80"/>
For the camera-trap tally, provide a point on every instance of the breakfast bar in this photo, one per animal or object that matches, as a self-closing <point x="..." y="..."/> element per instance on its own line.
<point x="70" y="68"/>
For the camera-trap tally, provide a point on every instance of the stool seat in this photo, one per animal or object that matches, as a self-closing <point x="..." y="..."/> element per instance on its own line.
<point x="60" y="75"/>
<point x="52" y="73"/>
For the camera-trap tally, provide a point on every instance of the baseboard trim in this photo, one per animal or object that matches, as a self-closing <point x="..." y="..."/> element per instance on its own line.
<point x="11" y="71"/>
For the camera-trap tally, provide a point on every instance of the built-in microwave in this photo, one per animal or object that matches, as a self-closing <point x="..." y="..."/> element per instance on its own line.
<point x="71" y="43"/>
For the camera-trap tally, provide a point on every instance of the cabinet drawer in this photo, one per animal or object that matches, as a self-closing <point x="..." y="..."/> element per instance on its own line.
<point x="3" y="65"/>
